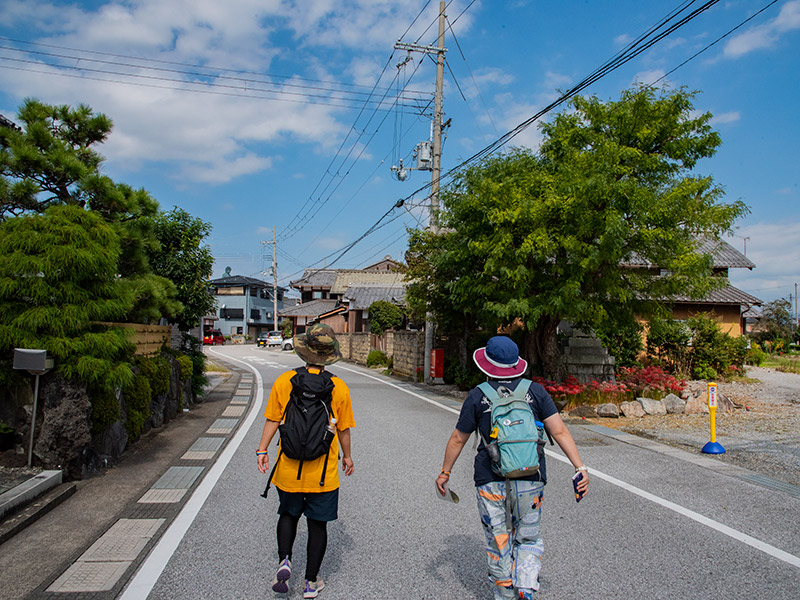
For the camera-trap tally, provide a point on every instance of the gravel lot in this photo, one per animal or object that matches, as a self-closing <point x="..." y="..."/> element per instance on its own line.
<point x="763" y="435"/>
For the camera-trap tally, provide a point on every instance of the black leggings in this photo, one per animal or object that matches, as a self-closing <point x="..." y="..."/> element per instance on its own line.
<point x="317" y="542"/>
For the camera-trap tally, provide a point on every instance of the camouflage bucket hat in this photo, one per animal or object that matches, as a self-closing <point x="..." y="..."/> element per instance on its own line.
<point x="318" y="345"/>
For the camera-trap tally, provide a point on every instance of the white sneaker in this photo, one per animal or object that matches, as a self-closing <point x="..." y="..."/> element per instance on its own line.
<point x="313" y="588"/>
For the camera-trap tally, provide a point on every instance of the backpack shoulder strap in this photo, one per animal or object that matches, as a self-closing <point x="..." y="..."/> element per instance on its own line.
<point x="488" y="390"/>
<point x="522" y="388"/>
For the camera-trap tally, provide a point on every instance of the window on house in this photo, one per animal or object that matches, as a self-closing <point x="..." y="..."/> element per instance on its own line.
<point x="255" y="314"/>
<point x="316" y="295"/>
<point x="231" y="313"/>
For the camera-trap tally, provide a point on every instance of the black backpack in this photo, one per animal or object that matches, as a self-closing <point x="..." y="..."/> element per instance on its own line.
<point x="305" y="429"/>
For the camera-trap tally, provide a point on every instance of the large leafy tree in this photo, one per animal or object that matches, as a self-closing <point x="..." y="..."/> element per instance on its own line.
<point x="600" y="225"/>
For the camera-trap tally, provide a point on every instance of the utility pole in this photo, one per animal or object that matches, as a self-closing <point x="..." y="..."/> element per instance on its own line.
<point x="274" y="278"/>
<point x="436" y="163"/>
<point x="795" y="307"/>
<point x="274" y="243"/>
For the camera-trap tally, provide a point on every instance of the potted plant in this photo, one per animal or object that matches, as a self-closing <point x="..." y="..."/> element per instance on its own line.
<point x="6" y="436"/>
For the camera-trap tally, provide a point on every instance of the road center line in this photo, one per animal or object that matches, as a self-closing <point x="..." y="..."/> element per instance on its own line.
<point x="715" y="525"/>
<point x="146" y="577"/>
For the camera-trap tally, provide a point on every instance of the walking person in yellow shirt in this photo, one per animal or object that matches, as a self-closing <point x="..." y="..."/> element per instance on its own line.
<point x="313" y="412"/>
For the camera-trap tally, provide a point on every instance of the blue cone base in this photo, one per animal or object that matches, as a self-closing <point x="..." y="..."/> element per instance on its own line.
<point x="713" y="448"/>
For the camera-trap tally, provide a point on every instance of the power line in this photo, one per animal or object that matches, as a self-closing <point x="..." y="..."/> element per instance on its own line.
<point x="182" y="64"/>
<point x="337" y="98"/>
<point x="719" y="39"/>
<point x="311" y="206"/>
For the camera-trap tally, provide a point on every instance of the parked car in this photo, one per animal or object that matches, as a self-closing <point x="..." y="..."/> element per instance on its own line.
<point x="262" y="339"/>
<point x="274" y="338"/>
<point x="213" y="337"/>
<point x="288" y="344"/>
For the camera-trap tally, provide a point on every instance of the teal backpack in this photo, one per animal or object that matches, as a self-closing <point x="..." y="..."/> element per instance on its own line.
<point x="515" y="434"/>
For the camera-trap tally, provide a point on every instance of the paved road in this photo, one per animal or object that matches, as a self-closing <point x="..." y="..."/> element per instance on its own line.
<point x="653" y="526"/>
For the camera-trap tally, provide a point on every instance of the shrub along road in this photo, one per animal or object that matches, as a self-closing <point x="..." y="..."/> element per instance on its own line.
<point x="654" y="524"/>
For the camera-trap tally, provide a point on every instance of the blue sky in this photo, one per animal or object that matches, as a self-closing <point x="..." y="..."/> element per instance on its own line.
<point x="251" y="114"/>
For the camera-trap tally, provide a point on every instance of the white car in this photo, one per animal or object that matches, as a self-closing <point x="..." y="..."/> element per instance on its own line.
<point x="275" y="338"/>
<point x="288" y="344"/>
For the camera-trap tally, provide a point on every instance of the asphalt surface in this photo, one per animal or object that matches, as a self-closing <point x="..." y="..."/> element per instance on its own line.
<point x="657" y="522"/>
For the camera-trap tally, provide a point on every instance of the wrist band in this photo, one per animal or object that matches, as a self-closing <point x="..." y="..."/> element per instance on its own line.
<point x="260" y="452"/>
<point x="443" y="472"/>
<point x="581" y="468"/>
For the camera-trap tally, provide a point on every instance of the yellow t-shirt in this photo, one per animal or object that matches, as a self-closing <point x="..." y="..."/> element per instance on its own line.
<point x="285" y="477"/>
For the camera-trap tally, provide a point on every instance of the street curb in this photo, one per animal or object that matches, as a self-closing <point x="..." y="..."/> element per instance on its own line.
<point x="703" y="461"/>
<point x="27" y="491"/>
<point x="35" y="509"/>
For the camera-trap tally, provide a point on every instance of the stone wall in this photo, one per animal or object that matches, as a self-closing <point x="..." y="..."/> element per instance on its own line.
<point x="64" y="435"/>
<point x="408" y="352"/>
<point x="407" y="349"/>
<point x="584" y="356"/>
<point x="355" y="347"/>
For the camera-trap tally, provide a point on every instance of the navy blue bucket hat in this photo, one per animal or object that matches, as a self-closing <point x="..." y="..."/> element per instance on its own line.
<point x="500" y="358"/>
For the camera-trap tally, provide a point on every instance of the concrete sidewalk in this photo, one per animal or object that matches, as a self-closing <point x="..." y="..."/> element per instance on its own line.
<point x="92" y="542"/>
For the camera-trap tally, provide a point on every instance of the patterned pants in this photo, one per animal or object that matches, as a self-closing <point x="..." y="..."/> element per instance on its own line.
<point x="515" y="553"/>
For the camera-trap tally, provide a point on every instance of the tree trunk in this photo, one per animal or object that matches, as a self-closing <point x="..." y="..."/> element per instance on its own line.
<point x="541" y="349"/>
<point x="463" y="341"/>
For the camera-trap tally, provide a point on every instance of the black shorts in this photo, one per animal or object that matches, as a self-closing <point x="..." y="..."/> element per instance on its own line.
<point x="320" y="506"/>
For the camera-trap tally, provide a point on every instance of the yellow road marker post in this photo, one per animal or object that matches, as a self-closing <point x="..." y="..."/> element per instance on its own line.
<point x="713" y="447"/>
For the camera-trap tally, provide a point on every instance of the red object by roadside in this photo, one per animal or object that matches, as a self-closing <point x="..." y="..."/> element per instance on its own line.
<point x="437" y="363"/>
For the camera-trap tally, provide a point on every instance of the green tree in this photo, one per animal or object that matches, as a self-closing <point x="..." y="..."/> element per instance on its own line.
<point x="182" y="258"/>
<point x="384" y="315"/>
<point x="57" y="280"/>
<point x="776" y="323"/>
<point x="570" y="232"/>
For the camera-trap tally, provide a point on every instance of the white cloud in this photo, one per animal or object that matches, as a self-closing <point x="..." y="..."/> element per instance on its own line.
<point x="723" y="118"/>
<point x="623" y="40"/>
<point x="771" y="278"/>
<point x="766" y="35"/>
<point x="208" y="137"/>
<point x="647" y="77"/>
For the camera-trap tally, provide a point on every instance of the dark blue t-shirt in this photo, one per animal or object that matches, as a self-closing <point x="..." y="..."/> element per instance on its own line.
<point x="476" y="412"/>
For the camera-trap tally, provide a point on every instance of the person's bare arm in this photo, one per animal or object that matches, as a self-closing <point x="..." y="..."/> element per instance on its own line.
<point x="559" y="432"/>
<point x="455" y="445"/>
<point x="270" y="428"/>
<point x="347" y="461"/>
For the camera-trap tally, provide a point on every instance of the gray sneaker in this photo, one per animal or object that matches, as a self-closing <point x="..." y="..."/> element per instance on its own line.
<point x="279" y="584"/>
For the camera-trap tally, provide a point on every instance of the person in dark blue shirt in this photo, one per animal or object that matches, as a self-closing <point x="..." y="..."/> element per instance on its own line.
<point x="514" y="547"/>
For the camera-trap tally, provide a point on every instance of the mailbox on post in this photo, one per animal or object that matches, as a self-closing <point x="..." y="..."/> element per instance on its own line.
<point x="36" y="363"/>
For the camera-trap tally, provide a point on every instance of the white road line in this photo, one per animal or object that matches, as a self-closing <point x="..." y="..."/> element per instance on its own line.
<point x="724" y="529"/>
<point x="402" y="389"/>
<point x="142" y="583"/>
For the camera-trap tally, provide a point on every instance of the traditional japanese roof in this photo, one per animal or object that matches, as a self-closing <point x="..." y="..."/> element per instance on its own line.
<point x="360" y="296"/>
<point x="727" y="295"/>
<point x="346" y="279"/>
<point x="316" y="278"/>
<point x="723" y="254"/>
<point x="313" y="309"/>
<point x="241" y="281"/>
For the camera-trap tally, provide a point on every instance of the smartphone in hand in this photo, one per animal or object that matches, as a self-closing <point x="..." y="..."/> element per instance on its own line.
<point x="577" y="478"/>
